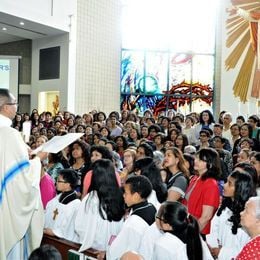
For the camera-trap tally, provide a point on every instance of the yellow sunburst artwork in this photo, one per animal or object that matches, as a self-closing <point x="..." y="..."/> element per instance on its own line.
<point x="243" y="23"/>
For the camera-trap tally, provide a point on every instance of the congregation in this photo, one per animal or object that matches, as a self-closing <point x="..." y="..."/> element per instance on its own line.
<point x="166" y="187"/>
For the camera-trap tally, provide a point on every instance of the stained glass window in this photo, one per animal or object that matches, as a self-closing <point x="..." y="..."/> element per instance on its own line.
<point x="168" y="55"/>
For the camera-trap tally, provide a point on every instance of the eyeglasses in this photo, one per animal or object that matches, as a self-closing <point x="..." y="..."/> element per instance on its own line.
<point x="203" y="135"/>
<point x="62" y="181"/>
<point x="157" y="217"/>
<point x="11" y="104"/>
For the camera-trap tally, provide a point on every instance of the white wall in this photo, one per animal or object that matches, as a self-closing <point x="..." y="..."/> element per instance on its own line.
<point x="60" y="84"/>
<point x="98" y="55"/>
<point x="42" y="11"/>
<point x="227" y="100"/>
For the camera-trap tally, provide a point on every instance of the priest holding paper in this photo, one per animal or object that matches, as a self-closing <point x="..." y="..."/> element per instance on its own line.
<point x="21" y="212"/>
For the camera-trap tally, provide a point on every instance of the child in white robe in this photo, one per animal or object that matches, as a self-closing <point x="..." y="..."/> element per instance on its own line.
<point x="226" y="237"/>
<point x="181" y="239"/>
<point x="142" y="214"/>
<point x="100" y="216"/>
<point x="60" y="211"/>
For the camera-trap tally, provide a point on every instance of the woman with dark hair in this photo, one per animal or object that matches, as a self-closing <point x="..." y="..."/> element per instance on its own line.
<point x="181" y="141"/>
<point x="101" y="118"/>
<point x="202" y="196"/>
<point x="177" y="174"/>
<point x="172" y="135"/>
<point x="181" y="239"/>
<point x="60" y="211"/>
<point x="240" y="120"/>
<point x="35" y="119"/>
<point x="234" y="130"/>
<point x="54" y="165"/>
<point x="189" y="162"/>
<point x="245" y="131"/>
<point x="97" y="152"/>
<point x="226" y="236"/>
<point x="100" y="215"/>
<point x="206" y="121"/>
<point x="255" y="162"/>
<point x="159" y="140"/>
<point x="250" y="169"/>
<point x="134" y="136"/>
<point x="122" y="144"/>
<point x="17" y="122"/>
<point x="147" y="167"/>
<point x="105" y="132"/>
<point x="80" y="160"/>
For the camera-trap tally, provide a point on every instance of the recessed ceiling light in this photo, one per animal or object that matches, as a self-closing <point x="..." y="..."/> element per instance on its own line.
<point x="21" y="23"/>
<point x="4" y="29"/>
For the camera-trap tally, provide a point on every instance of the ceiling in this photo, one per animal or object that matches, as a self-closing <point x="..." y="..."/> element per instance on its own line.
<point x="14" y="31"/>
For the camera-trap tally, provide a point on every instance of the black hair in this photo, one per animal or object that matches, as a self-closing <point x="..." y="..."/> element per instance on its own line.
<point x="148" y="150"/>
<point x="255" y="118"/>
<point x="155" y="127"/>
<point x="141" y="185"/>
<point x="113" y="144"/>
<point x="103" y="150"/>
<point x="185" y="141"/>
<point x="177" y="131"/>
<point x="45" y="252"/>
<point x="125" y="142"/>
<point x="85" y="151"/>
<point x="241" y="118"/>
<point x="244" y="189"/>
<point x="110" y="195"/>
<point x="80" y="125"/>
<point x="206" y="131"/>
<point x="211" y="157"/>
<point x="70" y="176"/>
<point x="108" y="131"/>
<point x="211" y="117"/>
<point x="153" y="174"/>
<point x="249" y="127"/>
<point x="250" y="169"/>
<point x="101" y="113"/>
<point x="190" y="159"/>
<point x="184" y="226"/>
<point x="177" y="125"/>
<point x="114" y="114"/>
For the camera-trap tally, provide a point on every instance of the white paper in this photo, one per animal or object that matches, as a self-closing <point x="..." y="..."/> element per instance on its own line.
<point x="26" y="130"/>
<point x="58" y="143"/>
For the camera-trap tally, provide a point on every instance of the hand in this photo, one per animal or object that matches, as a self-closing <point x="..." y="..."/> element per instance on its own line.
<point x="100" y="255"/>
<point x="42" y="155"/>
<point x="215" y="251"/>
<point x="48" y="231"/>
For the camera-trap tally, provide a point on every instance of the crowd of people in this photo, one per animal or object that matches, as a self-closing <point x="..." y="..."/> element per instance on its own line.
<point x="171" y="185"/>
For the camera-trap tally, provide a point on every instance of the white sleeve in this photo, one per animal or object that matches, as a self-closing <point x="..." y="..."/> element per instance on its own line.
<point x="213" y="237"/>
<point x="128" y="239"/>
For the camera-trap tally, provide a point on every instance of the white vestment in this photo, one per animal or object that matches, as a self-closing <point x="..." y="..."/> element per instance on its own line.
<point x="221" y="235"/>
<point x="169" y="247"/>
<point x="61" y="224"/>
<point x="153" y="200"/>
<point x="21" y="211"/>
<point x="128" y="239"/>
<point x="151" y="235"/>
<point x="93" y="231"/>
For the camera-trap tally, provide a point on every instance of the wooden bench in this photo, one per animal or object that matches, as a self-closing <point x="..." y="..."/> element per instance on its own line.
<point x="64" y="246"/>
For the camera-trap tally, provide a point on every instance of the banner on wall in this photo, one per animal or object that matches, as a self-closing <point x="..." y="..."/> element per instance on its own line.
<point x="9" y="73"/>
<point x="4" y="73"/>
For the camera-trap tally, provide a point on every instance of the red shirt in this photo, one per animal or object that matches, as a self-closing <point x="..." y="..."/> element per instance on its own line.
<point x="205" y="192"/>
<point x="251" y="250"/>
